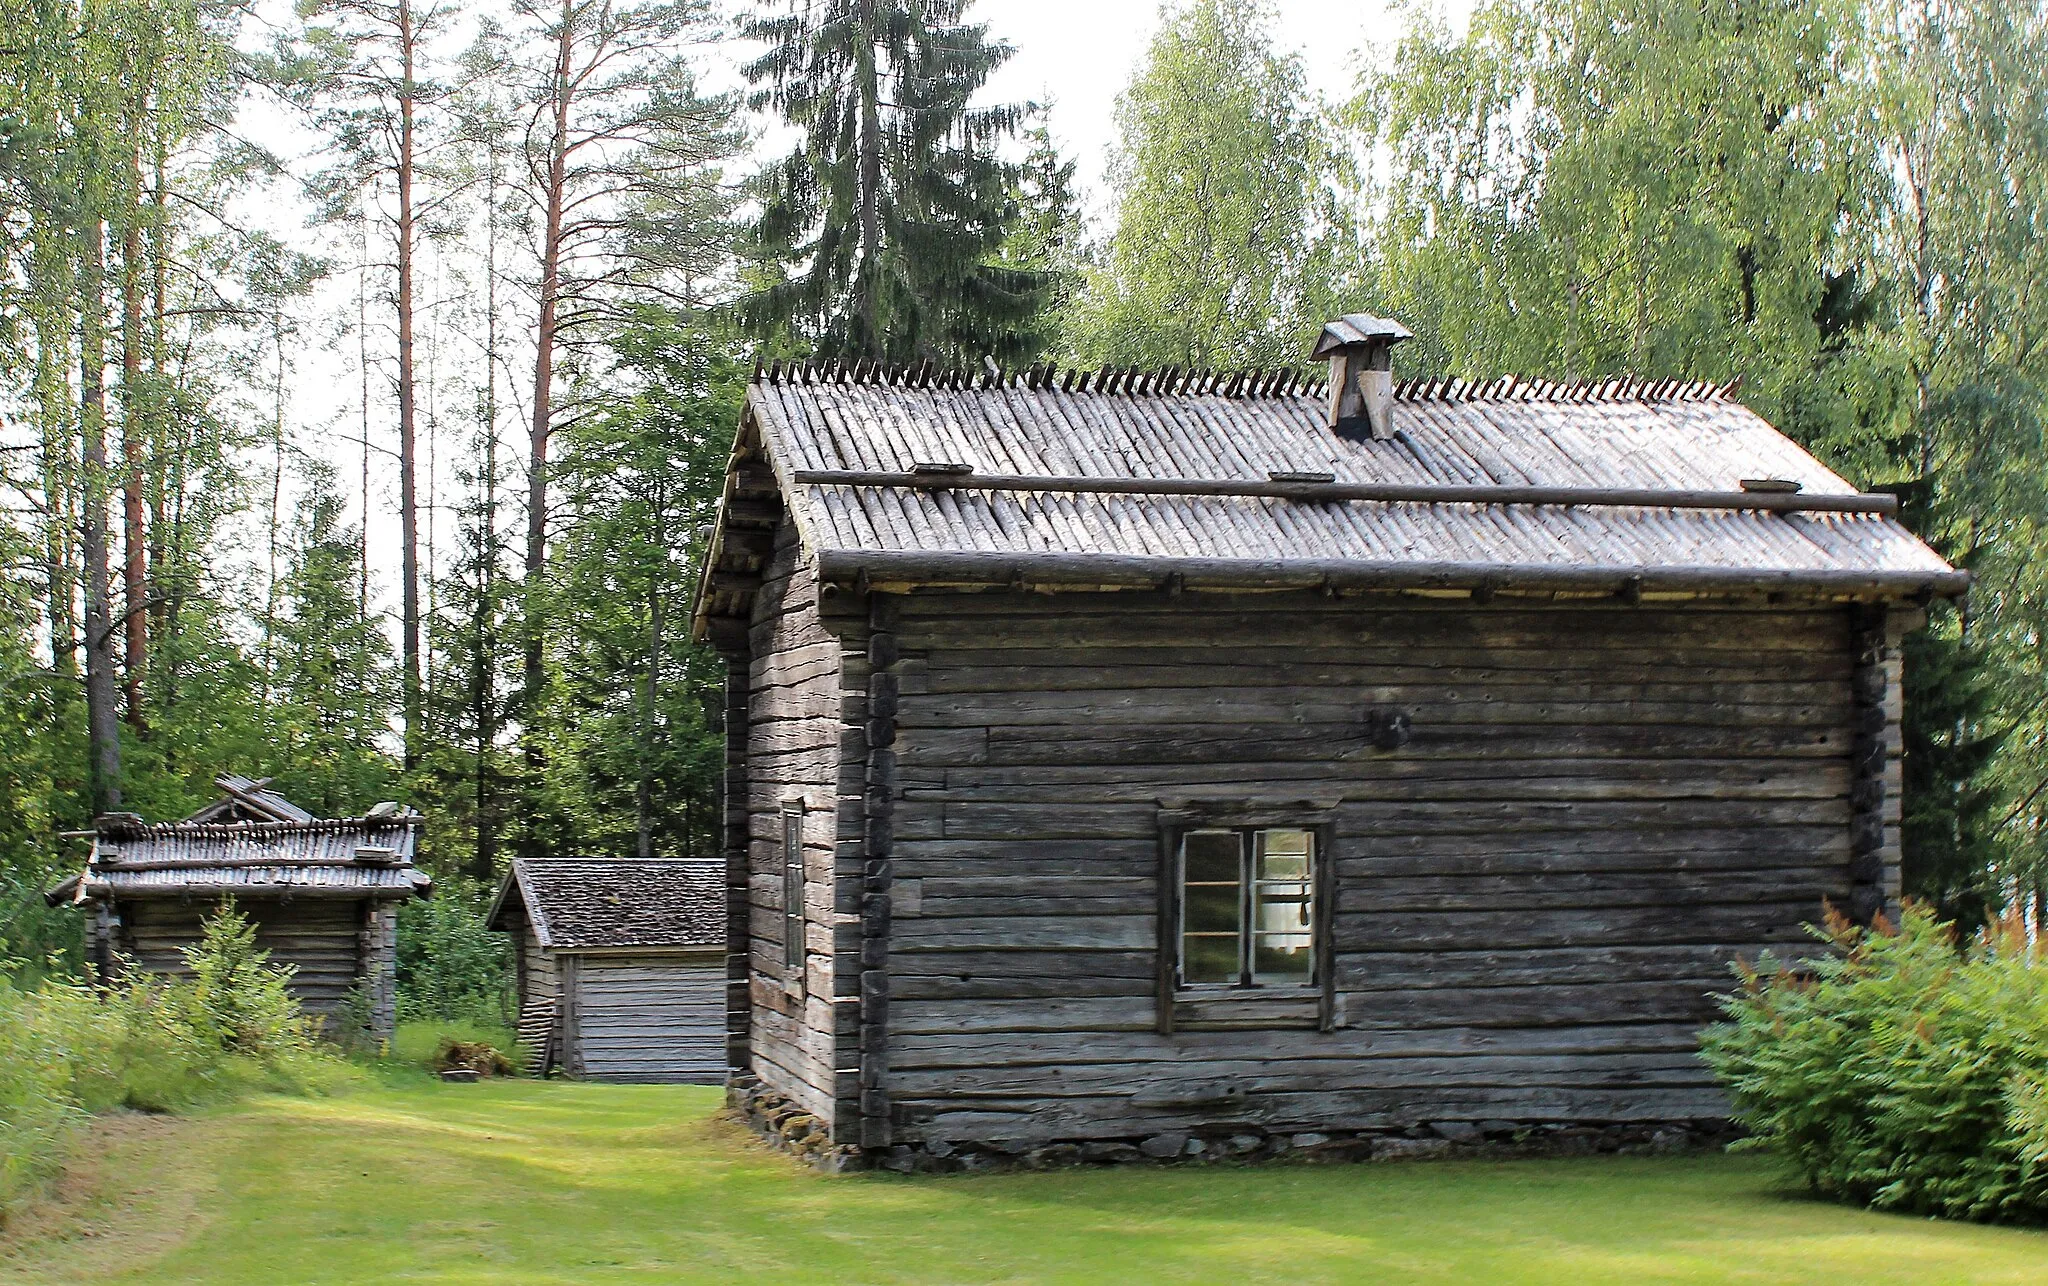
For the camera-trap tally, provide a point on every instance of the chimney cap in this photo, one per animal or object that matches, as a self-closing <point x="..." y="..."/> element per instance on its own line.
<point x="1353" y="329"/>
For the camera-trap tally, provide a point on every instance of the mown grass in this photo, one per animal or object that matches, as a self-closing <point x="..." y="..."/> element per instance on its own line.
<point x="558" y="1183"/>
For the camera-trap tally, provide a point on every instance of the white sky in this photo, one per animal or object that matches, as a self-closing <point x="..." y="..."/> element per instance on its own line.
<point x="1080" y="54"/>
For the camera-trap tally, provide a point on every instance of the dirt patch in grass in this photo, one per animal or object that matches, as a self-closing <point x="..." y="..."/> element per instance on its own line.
<point x="136" y="1189"/>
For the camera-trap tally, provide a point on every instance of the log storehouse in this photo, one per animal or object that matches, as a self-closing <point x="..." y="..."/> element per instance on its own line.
<point x="621" y="966"/>
<point x="1163" y="763"/>
<point x="322" y="893"/>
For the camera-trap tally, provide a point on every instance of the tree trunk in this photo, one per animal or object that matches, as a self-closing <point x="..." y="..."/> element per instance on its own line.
<point x="408" y="494"/>
<point x="159" y="252"/>
<point x="59" y="482"/>
<point x="134" y="436"/>
<point x="533" y="680"/>
<point x="643" y="796"/>
<point x="483" y="681"/>
<point x="103" y="721"/>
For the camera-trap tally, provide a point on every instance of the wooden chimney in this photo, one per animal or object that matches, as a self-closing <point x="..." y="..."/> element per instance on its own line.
<point x="1360" y="350"/>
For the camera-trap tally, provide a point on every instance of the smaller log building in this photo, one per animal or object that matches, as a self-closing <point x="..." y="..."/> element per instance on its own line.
<point x="621" y="966"/>
<point x="323" y="893"/>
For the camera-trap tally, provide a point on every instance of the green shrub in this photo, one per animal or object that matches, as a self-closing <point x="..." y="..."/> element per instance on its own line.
<point x="449" y="965"/>
<point x="1902" y="1070"/>
<point x="239" y="1001"/>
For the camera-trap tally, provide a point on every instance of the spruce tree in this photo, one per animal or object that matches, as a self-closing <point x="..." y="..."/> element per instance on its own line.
<point x="880" y="233"/>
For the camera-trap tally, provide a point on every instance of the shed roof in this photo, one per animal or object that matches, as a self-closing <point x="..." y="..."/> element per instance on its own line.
<point x="1122" y="478"/>
<point x="359" y="857"/>
<point x="581" y="903"/>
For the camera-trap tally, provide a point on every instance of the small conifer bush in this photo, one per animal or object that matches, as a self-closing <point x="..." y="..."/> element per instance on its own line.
<point x="1903" y="1069"/>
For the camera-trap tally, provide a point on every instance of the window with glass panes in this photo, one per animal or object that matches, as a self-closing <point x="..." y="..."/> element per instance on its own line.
<point x="1247" y="907"/>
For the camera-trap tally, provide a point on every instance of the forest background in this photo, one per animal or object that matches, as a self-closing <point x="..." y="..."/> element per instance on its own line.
<point x="486" y="283"/>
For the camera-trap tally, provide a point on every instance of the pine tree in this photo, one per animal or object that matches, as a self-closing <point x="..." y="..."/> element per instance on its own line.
<point x="881" y="232"/>
<point x="334" y="690"/>
<point x="620" y="173"/>
<point x="634" y="737"/>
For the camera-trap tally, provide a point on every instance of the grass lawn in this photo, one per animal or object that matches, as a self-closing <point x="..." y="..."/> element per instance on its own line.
<point x="414" y="1181"/>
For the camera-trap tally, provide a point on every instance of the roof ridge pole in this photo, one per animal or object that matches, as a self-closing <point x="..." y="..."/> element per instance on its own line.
<point x="759" y="369"/>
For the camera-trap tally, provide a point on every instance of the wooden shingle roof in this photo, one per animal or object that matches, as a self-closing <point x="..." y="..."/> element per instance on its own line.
<point x="1193" y="479"/>
<point x="579" y="903"/>
<point x="357" y="857"/>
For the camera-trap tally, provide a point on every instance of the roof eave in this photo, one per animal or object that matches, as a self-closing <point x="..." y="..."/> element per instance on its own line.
<point x="980" y="567"/>
<point x="494" y="916"/>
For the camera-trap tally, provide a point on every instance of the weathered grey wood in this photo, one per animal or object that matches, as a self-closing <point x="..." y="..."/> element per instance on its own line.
<point x="793" y="748"/>
<point x="885" y="567"/>
<point x="1385" y="492"/>
<point x="1599" y="805"/>
<point x="1600" y="838"/>
<point x="651" y="1017"/>
<point x="322" y="940"/>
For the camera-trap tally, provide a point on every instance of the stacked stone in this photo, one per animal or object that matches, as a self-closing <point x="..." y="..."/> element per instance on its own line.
<point x="793" y="1130"/>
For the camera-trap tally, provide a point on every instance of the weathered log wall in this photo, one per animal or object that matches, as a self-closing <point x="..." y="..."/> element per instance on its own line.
<point x="799" y="743"/>
<point x="324" y="938"/>
<point x="649" y="1017"/>
<point x="1601" y="805"/>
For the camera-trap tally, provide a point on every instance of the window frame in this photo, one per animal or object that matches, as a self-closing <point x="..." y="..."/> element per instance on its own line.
<point x="792" y="855"/>
<point x="1199" y="1005"/>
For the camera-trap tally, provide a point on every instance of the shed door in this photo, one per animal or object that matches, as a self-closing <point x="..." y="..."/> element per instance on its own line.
<point x="651" y="1020"/>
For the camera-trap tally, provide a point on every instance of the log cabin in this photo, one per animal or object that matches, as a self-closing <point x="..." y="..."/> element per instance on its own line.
<point x="621" y="966"/>
<point x="322" y="893"/>
<point x="1152" y="762"/>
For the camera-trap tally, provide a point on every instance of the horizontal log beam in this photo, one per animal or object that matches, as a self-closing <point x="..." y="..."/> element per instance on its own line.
<point x="1386" y="492"/>
<point x="984" y="567"/>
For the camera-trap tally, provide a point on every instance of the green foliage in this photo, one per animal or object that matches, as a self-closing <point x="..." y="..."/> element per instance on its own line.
<point x="1229" y="247"/>
<point x="1583" y="189"/>
<point x="636" y="726"/>
<point x="39" y="1117"/>
<point x="881" y="232"/>
<point x="1901" y="1069"/>
<point x="238" y="1000"/>
<point x="449" y="965"/>
<point x="1954" y="729"/>
<point x="334" y="685"/>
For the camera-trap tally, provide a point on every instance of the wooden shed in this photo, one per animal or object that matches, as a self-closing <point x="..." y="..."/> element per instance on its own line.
<point x="323" y="893"/>
<point x="1180" y="759"/>
<point x="621" y="966"/>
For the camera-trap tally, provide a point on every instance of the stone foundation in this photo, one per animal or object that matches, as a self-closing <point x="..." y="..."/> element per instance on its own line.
<point x="793" y="1130"/>
<point x="788" y="1127"/>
